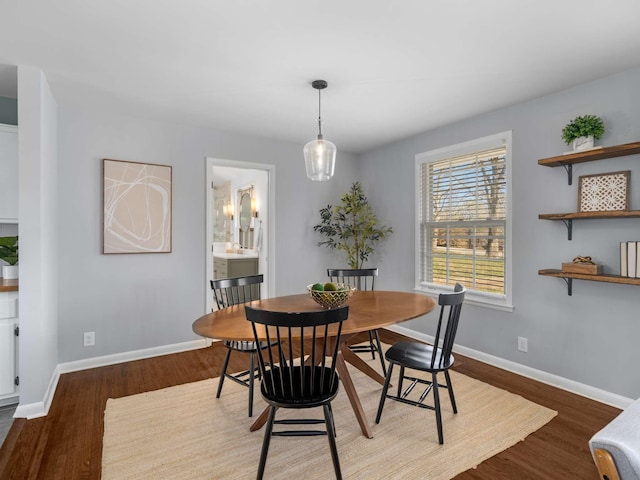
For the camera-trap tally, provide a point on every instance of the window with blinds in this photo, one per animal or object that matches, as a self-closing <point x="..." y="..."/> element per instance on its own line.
<point x="463" y="221"/>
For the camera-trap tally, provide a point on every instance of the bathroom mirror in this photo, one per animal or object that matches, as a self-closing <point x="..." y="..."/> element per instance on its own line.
<point x="245" y="211"/>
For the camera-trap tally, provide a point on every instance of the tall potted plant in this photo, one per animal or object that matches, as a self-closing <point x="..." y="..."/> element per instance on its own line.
<point x="351" y="227"/>
<point x="9" y="253"/>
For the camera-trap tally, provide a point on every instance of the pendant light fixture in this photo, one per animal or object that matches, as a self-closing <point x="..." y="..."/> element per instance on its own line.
<point x="319" y="154"/>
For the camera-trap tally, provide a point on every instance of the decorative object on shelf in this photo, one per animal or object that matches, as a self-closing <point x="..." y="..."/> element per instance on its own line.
<point x="136" y="207"/>
<point x="9" y="253"/>
<point x="582" y="264"/>
<point x="331" y="298"/>
<point x="606" y="192"/>
<point x="581" y="131"/>
<point x="630" y="259"/>
<point x="352" y="227"/>
<point x="320" y="154"/>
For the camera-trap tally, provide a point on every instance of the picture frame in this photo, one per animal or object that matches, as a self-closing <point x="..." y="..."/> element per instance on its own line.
<point x="604" y="192"/>
<point x="137" y="207"/>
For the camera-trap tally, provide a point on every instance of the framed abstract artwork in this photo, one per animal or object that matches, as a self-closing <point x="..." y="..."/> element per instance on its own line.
<point x="136" y="202"/>
<point x="606" y="192"/>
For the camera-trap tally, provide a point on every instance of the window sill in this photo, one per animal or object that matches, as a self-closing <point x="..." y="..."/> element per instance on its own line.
<point x="470" y="298"/>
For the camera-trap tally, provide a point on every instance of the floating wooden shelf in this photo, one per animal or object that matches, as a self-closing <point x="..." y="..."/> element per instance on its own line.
<point x="607" y="278"/>
<point x="591" y="155"/>
<point x="571" y="216"/>
<point x="568" y="218"/>
<point x="569" y="159"/>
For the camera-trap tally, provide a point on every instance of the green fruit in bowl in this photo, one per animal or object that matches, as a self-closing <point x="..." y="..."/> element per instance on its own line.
<point x="330" y="287"/>
<point x="317" y="286"/>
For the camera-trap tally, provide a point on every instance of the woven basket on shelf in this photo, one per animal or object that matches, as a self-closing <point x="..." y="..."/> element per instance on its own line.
<point x="332" y="298"/>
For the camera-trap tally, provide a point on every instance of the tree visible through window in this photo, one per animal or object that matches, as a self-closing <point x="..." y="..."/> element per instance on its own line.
<point x="463" y="220"/>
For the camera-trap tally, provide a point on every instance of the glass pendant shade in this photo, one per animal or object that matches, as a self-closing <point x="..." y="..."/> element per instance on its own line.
<point x="320" y="159"/>
<point x="319" y="154"/>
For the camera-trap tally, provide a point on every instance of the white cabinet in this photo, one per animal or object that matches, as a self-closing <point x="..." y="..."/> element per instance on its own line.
<point x="8" y="174"/>
<point x="8" y="344"/>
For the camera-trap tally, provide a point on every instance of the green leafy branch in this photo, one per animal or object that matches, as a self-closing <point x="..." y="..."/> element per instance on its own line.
<point x="351" y="227"/>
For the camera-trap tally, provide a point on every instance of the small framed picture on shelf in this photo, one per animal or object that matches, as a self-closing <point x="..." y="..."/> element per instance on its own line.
<point x="604" y="192"/>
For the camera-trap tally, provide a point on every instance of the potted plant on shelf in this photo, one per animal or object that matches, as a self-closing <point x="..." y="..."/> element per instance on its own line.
<point x="9" y="253"/>
<point x="351" y="227"/>
<point x="581" y="131"/>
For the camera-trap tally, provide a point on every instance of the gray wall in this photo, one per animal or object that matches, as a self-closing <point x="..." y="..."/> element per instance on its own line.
<point x="590" y="337"/>
<point x="141" y="301"/>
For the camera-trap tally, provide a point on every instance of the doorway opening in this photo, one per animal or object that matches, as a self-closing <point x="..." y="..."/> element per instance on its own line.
<point x="240" y="222"/>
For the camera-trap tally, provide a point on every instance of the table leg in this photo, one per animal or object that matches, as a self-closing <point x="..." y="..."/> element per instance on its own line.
<point x="361" y="365"/>
<point x="349" y="388"/>
<point x="260" y="421"/>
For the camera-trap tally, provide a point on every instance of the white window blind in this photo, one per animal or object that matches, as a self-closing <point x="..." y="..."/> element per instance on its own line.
<point x="462" y="221"/>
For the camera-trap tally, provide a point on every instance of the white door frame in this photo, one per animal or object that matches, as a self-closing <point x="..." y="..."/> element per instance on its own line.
<point x="270" y="283"/>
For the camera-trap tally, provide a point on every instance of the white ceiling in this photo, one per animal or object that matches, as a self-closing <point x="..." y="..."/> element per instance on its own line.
<point x="395" y="68"/>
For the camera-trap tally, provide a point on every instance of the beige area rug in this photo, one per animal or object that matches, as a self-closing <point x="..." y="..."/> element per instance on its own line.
<point x="184" y="432"/>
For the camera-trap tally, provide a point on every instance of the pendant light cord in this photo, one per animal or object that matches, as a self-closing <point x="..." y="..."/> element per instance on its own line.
<point x="319" y="116"/>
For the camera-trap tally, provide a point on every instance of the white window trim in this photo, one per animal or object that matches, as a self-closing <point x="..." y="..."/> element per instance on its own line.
<point x="497" y="302"/>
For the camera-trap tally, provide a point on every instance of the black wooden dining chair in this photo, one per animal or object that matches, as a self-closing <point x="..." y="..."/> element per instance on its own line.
<point x="361" y="279"/>
<point x="299" y="371"/>
<point x="427" y="358"/>
<point x="234" y="291"/>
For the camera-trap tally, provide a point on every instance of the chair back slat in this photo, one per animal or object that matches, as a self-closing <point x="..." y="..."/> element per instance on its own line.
<point x="234" y="291"/>
<point x="360" y="278"/>
<point x="300" y="367"/>
<point x="450" y="308"/>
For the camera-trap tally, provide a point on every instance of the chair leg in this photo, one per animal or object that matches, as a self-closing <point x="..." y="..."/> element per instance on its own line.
<point x="385" y="388"/>
<point x="400" y="379"/>
<point x="436" y="402"/>
<point x="379" y="347"/>
<point x="224" y="372"/>
<point x="331" y="434"/>
<point x="372" y="346"/>
<point x="252" y="373"/>
<point x="265" y="443"/>
<point x="333" y="419"/>
<point x="450" y="388"/>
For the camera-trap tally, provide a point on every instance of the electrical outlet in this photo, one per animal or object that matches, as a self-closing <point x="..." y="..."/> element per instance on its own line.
<point x="89" y="339"/>
<point x="523" y="344"/>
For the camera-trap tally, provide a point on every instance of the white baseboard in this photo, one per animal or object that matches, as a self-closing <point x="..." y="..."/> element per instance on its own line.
<point x="129" y="356"/>
<point x="40" y="409"/>
<point x="31" y="410"/>
<point x="572" y="386"/>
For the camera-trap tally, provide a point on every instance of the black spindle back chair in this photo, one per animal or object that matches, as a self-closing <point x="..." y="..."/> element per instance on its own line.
<point x="299" y="371"/>
<point x="427" y="358"/>
<point x="361" y="279"/>
<point x="226" y="293"/>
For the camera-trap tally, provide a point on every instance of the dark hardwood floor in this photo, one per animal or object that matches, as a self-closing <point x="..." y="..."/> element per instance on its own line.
<point x="67" y="443"/>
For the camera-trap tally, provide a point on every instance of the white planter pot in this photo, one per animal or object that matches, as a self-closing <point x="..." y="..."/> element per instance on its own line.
<point x="582" y="143"/>
<point x="9" y="272"/>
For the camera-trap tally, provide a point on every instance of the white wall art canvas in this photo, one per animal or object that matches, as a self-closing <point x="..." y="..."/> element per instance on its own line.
<point x="137" y="207"/>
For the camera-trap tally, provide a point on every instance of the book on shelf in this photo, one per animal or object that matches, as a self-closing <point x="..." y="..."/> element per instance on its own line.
<point x="630" y="259"/>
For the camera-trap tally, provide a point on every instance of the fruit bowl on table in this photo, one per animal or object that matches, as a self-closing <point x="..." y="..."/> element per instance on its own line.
<point x="332" y="298"/>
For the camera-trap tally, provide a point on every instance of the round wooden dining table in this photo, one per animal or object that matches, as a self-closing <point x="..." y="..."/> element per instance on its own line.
<point x="368" y="310"/>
